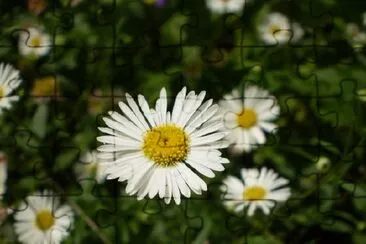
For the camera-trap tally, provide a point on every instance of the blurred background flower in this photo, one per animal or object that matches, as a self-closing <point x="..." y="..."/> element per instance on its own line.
<point x="36" y="6"/>
<point x="33" y="43"/>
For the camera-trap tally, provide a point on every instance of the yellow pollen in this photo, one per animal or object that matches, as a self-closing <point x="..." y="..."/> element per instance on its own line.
<point x="247" y="118"/>
<point x="254" y="193"/>
<point x="2" y="93"/>
<point x="35" y="42"/>
<point x="44" y="220"/>
<point x="166" y="145"/>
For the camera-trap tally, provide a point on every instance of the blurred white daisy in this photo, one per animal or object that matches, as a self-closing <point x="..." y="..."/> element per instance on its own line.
<point x="355" y="36"/>
<point x="9" y="80"/>
<point x="225" y="6"/>
<point x="276" y="28"/>
<point x="89" y="166"/>
<point x="156" y="150"/>
<point x="3" y="173"/>
<point x="41" y="219"/>
<point x="34" y="42"/>
<point x="261" y="189"/>
<point x="74" y="3"/>
<point x="246" y="118"/>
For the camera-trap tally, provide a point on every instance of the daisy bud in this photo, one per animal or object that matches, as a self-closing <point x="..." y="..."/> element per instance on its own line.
<point x="323" y="164"/>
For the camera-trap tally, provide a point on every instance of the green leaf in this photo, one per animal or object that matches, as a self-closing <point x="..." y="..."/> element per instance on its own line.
<point x="359" y="238"/>
<point x="66" y="158"/>
<point x="172" y="31"/>
<point x="39" y="122"/>
<point x="339" y="226"/>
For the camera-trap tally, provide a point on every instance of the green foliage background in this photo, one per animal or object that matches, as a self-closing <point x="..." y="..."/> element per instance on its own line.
<point x="129" y="46"/>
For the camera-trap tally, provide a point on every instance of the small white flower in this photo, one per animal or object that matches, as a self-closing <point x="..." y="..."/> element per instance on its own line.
<point x="258" y="189"/>
<point x="34" y="42"/>
<point x="246" y="118"/>
<point x="225" y="6"/>
<point x="9" y="81"/>
<point x="156" y="150"/>
<point x="41" y="219"/>
<point x="89" y="166"/>
<point x="356" y="37"/>
<point x="276" y="28"/>
<point x="3" y="173"/>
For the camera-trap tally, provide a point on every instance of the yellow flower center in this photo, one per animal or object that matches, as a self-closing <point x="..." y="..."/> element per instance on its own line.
<point x="44" y="220"/>
<point x="254" y="193"/>
<point x="166" y="145"/>
<point x="2" y="93"/>
<point x="247" y="118"/>
<point x="274" y="29"/>
<point x="35" y="42"/>
<point x="44" y="87"/>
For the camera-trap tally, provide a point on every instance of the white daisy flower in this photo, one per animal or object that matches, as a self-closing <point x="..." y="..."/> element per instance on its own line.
<point x="89" y="166"/>
<point x="225" y="6"/>
<point x="258" y="189"/>
<point x="34" y="42"/>
<point x="246" y="118"/>
<point x="276" y="28"/>
<point x="3" y="173"/>
<point x="9" y="81"/>
<point x="156" y="150"/>
<point x="41" y="219"/>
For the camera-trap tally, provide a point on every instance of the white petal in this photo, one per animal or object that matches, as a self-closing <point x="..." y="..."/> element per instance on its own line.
<point x="251" y="208"/>
<point x="142" y="125"/>
<point x="258" y="134"/>
<point x="119" y="141"/>
<point x="201" y="168"/>
<point x="163" y="107"/>
<point x="209" y="128"/>
<point x="146" y="110"/>
<point x="269" y="127"/>
<point x="178" y="105"/>
<point x="208" y="139"/>
<point x="175" y="189"/>
<point x="136" y="111"/>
